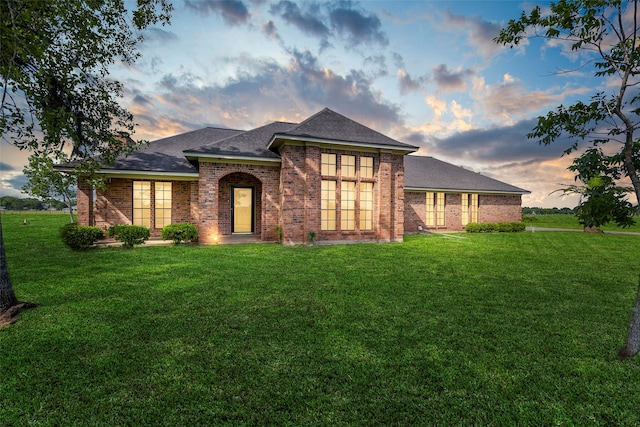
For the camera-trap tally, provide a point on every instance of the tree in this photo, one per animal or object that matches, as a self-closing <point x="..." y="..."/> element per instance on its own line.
<point x="606" y="33"/>
<point x="47" y="184"/>
<point x="56" y="93"/>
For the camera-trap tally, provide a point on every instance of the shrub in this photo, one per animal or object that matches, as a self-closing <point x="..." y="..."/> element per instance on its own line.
<point x="129" y="235"/>
<point x="180" y="232"/>
<point x="489" y="227"/>
<point x="80" y="237"/>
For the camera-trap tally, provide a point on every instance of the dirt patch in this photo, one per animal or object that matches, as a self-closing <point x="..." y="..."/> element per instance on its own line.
<point x="11" y="315"/>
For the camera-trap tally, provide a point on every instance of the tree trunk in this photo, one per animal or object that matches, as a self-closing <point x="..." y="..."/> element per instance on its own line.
<point x="7" y="296"/>
<point x="633" y="331"/>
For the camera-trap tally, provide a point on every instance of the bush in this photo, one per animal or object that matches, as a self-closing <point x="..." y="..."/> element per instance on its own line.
<point x="80" y="237"/>
<point x="129" y="235"/>
<point x="180" y="232"/>
<point x="490" y="227"/>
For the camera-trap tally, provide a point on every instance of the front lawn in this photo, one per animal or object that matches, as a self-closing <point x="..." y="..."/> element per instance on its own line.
<point x="499" y="329"/>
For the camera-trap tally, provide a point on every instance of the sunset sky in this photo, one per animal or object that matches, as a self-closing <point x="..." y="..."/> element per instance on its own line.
<point x="424" y="73"/>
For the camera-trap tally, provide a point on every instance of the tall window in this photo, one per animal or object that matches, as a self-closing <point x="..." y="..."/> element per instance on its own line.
<point x="328" y="164"/>
<point x="439" y="209"/>
<point x="474" y="208"/>
<point x="430" y="217"/>
<point x="348" y="165"/>
<point x="163" y="204"/>
<point x="348" y="205"/>
<point x="142" y="203"/>
<point x="469" y="208"/>
<point x="328" y="206"/>
<point x="366" y="167"/>
<point x="465" y="209"/>
<point x="366" y="206"/>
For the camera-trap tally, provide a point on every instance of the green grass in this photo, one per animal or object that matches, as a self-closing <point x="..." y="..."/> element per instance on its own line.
<point x="570" y="221"/>
<point x="484" y="329"/>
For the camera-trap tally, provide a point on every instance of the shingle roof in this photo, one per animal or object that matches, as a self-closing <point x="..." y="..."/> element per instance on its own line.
<point x="251" y="143"/>
<point x="331" y="126"/>
<point x="167" y="154"/>
<point x="428" y="173"/>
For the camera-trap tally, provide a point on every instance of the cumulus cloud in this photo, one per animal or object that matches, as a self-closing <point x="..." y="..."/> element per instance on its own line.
<point x="5" y="167"/>
<point x="261" y="88"/>
<point x="479" y="33"/>
<point x="233" y="12"/>
<point x="407" y="83"/>
<point x="450" y="80"/>
<point x="332" y="19"/>
<point x="269" y="30"/>
<point x="158" y="35"/>
<point x="357" y="26"/>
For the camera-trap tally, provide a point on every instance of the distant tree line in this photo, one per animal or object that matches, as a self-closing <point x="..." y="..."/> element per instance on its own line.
<point x="11" y="203"/>
<point x="548" y="211"/>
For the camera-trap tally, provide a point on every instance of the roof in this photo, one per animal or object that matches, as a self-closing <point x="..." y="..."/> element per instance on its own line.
<point x="167" y="154"/>
<point x="428" y="173"/>
<point x="251" y="143"/>
<point x="329" y="126"/>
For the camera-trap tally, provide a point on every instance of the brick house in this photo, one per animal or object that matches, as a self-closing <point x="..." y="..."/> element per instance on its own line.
<point x="328" y="175"/>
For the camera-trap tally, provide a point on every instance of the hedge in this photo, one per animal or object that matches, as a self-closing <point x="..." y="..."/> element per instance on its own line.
<point x="129" y="235"/>
<point x="490" y="227"/>
<point x="80" y="237"/>
<point x="183" y="232"/>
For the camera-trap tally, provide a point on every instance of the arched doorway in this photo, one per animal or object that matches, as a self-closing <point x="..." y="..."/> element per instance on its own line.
<point x="239" y="204"/>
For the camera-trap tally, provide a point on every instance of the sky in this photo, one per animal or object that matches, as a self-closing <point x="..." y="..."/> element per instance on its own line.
<point x="426" y="73"/>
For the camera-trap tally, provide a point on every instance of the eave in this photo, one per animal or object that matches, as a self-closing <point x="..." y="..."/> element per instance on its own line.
<point x="465" y="190"/>
<point x="278" y="140"/>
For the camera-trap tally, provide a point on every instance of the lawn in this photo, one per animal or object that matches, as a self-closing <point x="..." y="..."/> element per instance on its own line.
<point x="570" y="221"/>
<point x="483" y="329"/>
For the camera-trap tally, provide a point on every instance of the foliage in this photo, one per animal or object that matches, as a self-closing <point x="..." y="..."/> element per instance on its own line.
<point x="604" y="32"/>
<point x="15" y="204"/>
<point x="80" y="237"/>
<point x="501" y="227"/>
<point x="311" y="237"/>
<point x="547" y="211"/>
<point x="129" y="235"/>
<point x="279" y="232"/>
<point x="493" y="329"/>
<point x="184" y="232"/>
<point x="46" y="183"/>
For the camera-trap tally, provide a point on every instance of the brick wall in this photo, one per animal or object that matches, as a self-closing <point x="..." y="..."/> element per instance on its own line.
<point x="499" y="208"/>
<point x="491" y="208"/>
<point x="214" y="199"/>
<point x="114" y="204"/>
<point x="84" y="204"/>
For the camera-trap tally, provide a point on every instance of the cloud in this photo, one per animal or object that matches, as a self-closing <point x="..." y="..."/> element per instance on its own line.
<point x="357" y="27"/>
<point x="479" y="33"/>
<point x="269" y="30"/>
<point x="448" y="80"/>
<point x="5" y="167"/>
<point x="158" y="35"/>
<point x="329" y="20"/>
<point x="261" y="87"/>
<point x="233" y="12"/>
<point x="307" y="21"/>
<point x="407" y="83"/>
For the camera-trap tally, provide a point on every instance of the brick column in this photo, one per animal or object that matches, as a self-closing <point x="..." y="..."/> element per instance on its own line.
<point x="85" y="203"/>
<point x="292" y="184"/>
<point x="383" y="202"/>
<point x="397" y="207"/>
<point x="208" y="201"/>
<point x="312" y="191"/>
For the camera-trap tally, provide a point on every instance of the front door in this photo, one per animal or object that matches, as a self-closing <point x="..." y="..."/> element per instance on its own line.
<point x="242" y="210"/>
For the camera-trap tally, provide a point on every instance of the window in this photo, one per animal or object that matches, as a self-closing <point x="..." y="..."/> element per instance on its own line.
<point x="142" y="203"/>
<point x="366" y="206"/>
<point x="440" y="209"/>
<point x="348" y="165"/>
<point x="163" y="204"/>
<point x="366" y="167"/>
<point x="430" y="214"/>
<point x="348" y="205"/>
<point x="328" y="164"/>
<point x="465" y="209"/>
<point x="469" y="208"/>
<point x="474" y="208"/>
<point x="328" y="206"/>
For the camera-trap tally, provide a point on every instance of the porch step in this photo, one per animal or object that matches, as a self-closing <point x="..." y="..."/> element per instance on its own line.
<point x="239" y="238"/>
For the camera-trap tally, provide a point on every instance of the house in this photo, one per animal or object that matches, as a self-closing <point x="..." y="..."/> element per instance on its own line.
<point x="327" y="175"/>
